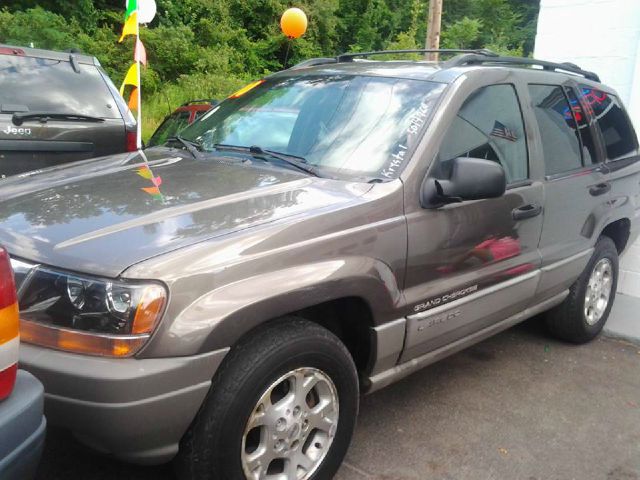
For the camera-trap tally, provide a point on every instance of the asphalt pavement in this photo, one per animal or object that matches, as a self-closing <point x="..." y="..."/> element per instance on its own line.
<point x="517" y="406"/>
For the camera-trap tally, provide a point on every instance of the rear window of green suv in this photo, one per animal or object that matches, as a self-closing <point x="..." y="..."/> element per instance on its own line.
<point x="45" y="85"/>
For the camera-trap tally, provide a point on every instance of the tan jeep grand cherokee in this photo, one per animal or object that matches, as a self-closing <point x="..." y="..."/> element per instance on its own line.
<point x="224" y="298"/>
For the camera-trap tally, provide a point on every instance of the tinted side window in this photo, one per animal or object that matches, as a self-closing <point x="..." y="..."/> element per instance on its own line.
<point x="617" y="131"/>
<point x="489" y="125"/>
<point x="589" y="152"/>
<point x="560" y="142"/>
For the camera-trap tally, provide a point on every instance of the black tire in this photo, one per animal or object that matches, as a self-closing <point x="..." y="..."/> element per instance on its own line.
<point x="567" y="321"/>
<point x="211" y="448"/>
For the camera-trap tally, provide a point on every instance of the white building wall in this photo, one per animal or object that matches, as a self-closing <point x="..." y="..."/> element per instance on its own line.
<point x="603" y="36"/>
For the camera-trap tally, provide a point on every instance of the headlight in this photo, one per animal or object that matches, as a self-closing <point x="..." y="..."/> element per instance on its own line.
<point x="86" y="314"/>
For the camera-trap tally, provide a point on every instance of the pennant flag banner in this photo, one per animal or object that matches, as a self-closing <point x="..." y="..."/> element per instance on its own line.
<point x="136" y="11"/>
<point x="131" y="78"/>
<point x="156" y="181"/>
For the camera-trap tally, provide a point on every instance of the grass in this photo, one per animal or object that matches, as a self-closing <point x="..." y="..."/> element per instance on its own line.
<point x="159" y="104"/>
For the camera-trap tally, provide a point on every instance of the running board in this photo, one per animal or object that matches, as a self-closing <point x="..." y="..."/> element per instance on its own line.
<point x="398" y="372"/>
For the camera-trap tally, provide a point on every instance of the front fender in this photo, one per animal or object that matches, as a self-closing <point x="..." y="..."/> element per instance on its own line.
<point x="220" y="317"/>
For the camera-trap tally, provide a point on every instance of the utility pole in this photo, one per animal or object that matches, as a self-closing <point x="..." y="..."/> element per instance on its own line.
<point x="433" y="28"/>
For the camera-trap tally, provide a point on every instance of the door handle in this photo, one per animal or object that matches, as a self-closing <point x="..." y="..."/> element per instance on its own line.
<point x="599" y="189"/>
<point x="526" y="211"/>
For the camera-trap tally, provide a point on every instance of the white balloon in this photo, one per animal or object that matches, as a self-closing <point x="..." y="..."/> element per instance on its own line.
<point x="146" y="10"/>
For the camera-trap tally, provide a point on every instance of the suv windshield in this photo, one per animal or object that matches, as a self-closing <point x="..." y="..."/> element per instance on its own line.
<point x="44" y="85"/>
<point x="346" y="125"/>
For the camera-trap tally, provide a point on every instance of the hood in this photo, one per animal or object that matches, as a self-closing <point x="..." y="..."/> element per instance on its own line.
<point x="103" y="215"/>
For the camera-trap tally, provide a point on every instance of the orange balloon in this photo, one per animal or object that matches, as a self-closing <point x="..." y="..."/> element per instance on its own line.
<point x="293" y="23"/>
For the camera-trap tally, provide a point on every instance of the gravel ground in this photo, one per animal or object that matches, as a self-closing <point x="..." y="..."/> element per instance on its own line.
<point x="517" y="406"/>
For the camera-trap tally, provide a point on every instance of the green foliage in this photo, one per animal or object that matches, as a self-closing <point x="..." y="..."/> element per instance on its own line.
<point x="37" y="26"/>
<point x="208" y="48"/>
<point x="462" y="33"/>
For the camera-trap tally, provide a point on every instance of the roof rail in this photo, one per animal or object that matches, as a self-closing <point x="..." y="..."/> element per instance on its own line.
<point x="474" y="59"/>
<point x="348" y="57"/>
<point x="314" y="61"/>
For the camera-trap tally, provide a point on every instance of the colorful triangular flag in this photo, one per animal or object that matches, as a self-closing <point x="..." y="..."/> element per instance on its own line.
<point x="132" y="6"/>
<point x="133" y="99"/>
<point x="130" y="26"/>
<point x="140" y="54"/>
<point x="151" y="190"/>
<point x="145" y="172"/>
<point x="131" y="78"/>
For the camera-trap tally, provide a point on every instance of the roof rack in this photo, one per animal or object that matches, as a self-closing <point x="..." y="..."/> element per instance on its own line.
<point x="312" y="62"/>
<point x="464" y="57"/>
<point x="474" y="59"/>
<point x="348" y="57"/>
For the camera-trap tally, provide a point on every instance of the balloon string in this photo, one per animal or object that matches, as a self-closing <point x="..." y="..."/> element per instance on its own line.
<point x="286" y="56"/>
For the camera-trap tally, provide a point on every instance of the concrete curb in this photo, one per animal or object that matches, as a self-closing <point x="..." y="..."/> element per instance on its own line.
<point x="624" y="320"/>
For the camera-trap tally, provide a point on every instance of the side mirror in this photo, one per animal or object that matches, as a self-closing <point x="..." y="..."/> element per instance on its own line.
<point x="471" y="179"/>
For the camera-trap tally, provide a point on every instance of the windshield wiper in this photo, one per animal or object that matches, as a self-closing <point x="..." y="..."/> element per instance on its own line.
<point x="19" y="118"/>
<point x="295" y="161"/>
<point x="191" y="146"/>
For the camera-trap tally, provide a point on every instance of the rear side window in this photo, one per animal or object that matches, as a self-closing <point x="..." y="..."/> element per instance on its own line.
<point x="589" y="152"/>
<point x="618" y="134"/>
<point x="558" y="129"/>
<point x="44" y="85"/>
<point x="489" y="126"/>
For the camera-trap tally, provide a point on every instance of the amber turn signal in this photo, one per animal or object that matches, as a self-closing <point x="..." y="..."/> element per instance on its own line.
<point x="80" y="342"/>
<point x="149" y="310"/>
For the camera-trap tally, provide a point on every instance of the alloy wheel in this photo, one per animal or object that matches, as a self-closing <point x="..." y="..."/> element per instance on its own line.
<point x="291" y="428"/>
<point x="598" y="291"/>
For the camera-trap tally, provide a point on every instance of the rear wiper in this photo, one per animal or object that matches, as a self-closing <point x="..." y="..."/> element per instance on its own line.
<point x="191" y="146"/>
<point x="295" y="161"/>
<point x="19" y="118"/>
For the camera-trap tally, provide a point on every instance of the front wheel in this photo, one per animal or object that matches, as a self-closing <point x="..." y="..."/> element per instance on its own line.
<point x="582" y="315"/>
<point x="283" y="406"/>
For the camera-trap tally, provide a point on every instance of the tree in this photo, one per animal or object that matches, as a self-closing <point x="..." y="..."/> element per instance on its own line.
<point x="206" y="48"/>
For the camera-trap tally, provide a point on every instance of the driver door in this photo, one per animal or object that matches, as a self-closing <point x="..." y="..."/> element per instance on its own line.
<point x="474" y="263"/>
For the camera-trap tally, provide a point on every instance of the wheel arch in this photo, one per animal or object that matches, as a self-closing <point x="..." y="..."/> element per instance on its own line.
<point x="619" y="231"/>
<point x="347" y="296"/>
